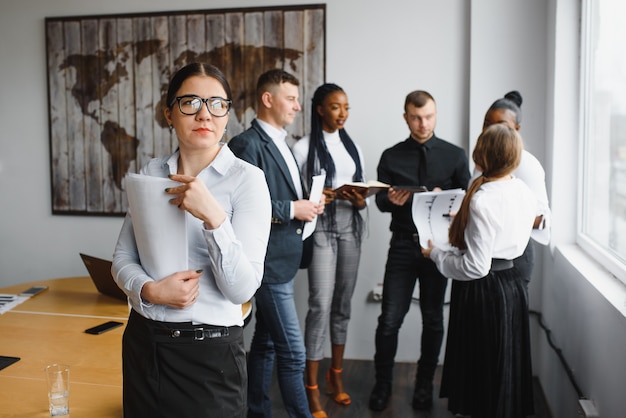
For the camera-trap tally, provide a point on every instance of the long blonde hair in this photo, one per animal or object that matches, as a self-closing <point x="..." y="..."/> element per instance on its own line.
<point x="497" y="153"/>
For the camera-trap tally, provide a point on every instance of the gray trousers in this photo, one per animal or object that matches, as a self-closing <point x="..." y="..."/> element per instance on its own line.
<point x="332" y="279"/>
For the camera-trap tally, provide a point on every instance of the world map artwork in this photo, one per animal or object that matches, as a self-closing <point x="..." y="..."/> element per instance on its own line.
<point x="121" y="146"/>
<point x="108" y="78"/>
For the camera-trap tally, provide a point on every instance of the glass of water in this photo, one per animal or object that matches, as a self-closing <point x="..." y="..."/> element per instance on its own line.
<point x="58" y="378"/>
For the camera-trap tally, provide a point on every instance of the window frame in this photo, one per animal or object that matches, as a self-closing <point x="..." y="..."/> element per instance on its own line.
<point x="612" y="263"/>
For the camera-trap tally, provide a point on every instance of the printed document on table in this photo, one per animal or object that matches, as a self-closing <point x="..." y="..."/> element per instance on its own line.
<point x="160" y="227"/>
<point x="317" y="188"/>
<point x="9" y="301"/>
<point x="432" y="215"/>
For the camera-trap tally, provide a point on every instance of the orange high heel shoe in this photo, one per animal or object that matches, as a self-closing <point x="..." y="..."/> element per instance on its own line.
<point x="310" y="391"/>
<point x="342" y="398"/>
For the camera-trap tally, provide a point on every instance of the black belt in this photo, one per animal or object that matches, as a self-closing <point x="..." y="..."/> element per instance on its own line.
<point x="196" y="334"/>
<point x="406" y="236"/>
<point x="499" y="264"/>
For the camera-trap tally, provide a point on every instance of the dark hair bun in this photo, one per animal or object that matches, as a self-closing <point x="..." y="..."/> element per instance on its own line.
<point x="515" y="97"/>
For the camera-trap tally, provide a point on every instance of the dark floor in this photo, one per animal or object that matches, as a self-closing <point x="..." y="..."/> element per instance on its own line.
<point x="359" y="380"/>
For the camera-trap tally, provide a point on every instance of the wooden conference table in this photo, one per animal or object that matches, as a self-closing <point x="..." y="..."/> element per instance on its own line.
<point x="49" y="328"/>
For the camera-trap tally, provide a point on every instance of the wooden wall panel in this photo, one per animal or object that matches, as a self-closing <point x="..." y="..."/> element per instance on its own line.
<point x="233" y="58"/>
<point x="315" y="45"/>
<point x="294" y="41"/>
<point x="114" y="196"/>
<point x="75" y="80"/>
<point x="145" y="32"/>
<point x="94" y="154"/>
<point x="105" y="164"/>
<point x="108" y="77"/>
<point x="160" y="79"/>
<point x="59" y="179"/>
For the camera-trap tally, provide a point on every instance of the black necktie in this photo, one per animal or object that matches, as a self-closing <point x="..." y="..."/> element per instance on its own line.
<point x="423" y="176"/>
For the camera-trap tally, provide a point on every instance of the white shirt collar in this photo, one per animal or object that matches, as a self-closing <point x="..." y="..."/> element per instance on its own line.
<point x="277" y="135"/>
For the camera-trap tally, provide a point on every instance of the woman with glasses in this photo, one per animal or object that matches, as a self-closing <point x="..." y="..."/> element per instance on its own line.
<point x="336" y="240"/>
<point x="182" y="349"/>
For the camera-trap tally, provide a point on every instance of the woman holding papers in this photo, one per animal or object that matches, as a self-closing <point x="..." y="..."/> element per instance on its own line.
<point x="337" y="238"/>
<point x="182" y="350"/>
<point x="487" y="368"/>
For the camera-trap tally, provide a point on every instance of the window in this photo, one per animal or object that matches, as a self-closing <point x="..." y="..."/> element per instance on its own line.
<point x="603" y="127"/>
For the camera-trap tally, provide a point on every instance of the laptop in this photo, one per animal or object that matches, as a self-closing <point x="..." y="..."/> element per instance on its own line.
<point x="100" y="273"/>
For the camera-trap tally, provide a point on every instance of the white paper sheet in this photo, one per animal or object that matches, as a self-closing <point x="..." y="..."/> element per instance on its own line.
<point x="10" y="301"/>
<point x="160" y="227"/>
<point x="317" y="188"/>
<point x="431" y="215"/>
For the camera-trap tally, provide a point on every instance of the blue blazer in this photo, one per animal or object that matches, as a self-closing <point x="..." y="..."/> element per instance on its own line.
<point x="284" y="248"/>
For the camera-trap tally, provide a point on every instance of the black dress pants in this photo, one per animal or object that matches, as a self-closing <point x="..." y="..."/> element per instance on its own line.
<point x="405" y="265"/>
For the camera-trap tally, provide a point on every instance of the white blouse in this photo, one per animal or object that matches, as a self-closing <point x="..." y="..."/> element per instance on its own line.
<point x="231" y="255"/>
<point x="532" y="173"/>
<point x="500" y="222"/>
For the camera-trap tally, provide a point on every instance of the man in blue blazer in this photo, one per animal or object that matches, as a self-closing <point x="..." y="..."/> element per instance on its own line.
<point x="277" y="331"/>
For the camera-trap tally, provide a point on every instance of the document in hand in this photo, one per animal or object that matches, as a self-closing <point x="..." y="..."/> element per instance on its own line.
<point x="367" y="189"/>
<point x="160" y="227"/>
<point x="433" y="213"/>
<point x="317" y="188"/>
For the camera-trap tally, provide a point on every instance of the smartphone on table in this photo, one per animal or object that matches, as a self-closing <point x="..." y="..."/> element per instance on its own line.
<point x="107" y="326"/>
<point x="35" y="290"/>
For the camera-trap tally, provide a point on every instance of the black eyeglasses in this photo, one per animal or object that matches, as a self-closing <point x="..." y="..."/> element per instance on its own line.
<point x="190" y="105"/>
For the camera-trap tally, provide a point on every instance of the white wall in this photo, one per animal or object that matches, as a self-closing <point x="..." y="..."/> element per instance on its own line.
<point x="508" y="50"/>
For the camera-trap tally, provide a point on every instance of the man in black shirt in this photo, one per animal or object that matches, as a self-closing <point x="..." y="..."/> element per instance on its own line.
<point x="420" y="160"/>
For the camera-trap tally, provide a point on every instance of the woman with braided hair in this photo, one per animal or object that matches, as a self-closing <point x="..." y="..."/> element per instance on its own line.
<point x="487" y="368"/>
<point x="336" y="240"/>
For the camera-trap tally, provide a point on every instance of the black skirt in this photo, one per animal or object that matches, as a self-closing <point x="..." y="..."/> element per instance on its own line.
<point x="487" y="370"/>
<point x="182" y="377"/>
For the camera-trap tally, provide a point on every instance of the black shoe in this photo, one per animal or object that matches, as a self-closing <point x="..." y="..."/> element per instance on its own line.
<point x="423" y="395"/>
<point x="380" y="396"/>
